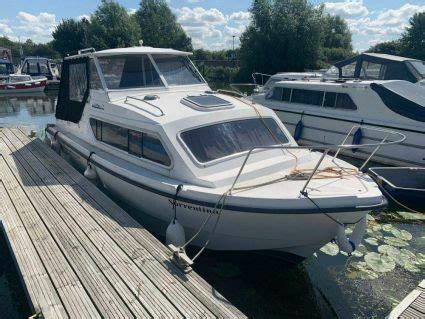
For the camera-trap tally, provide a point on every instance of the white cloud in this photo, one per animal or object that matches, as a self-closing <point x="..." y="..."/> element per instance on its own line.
<point x="240" y="16"/>
<point x="36" y="27"/>
<point x="83" y="16"/>
<point x="5" y="29"/>
<point x="347" y="8"/>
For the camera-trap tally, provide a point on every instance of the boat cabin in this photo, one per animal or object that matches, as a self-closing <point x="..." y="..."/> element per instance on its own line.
<point x="6" y="68"/>
<point x="39" y="66"/>
<point x="374" y="66"/>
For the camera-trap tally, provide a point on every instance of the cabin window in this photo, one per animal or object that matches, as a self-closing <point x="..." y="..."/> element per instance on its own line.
<point x="136" y="143"/>
<point x="77" y="81"/>
<point x="129" y="71"/>
<point x="32" y="68"/>
<point x="44" y="69"/>
<point x="330" y="98"/>
<point x="348" y="70"/>
<point x="419" y="66"/>
<point x="286" y="94"/>
<point x="307" y="97"/>
<point x="344" y="101"/>
<point x="177" y="70"/>
<point x="219" y="140"/>
<point x="374" y="71"/>
<point x="275" y="94"/>
<point x="95" y="82"/>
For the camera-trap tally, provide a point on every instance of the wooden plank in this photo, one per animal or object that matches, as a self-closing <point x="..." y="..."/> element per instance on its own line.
<point x="176" y="293"/>
<point x="42" y="295"/>
<point x="62" y="252"/>
<point x="412" y="306"/>
<point x="90" y="195"/>
<point x="90" y="235"/>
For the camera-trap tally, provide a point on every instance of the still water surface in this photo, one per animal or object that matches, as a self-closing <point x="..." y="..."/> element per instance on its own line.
<point x="265" y="285"/>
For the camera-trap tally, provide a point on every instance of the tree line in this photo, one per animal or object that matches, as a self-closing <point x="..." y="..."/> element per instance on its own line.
<point x="283" y="35"/>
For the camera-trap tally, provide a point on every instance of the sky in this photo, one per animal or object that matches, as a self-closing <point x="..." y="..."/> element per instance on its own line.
<point x="210" y="23"/>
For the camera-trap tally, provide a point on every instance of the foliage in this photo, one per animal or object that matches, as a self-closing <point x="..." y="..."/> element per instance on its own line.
<point x="70" y="36"/>
<point x="203" y="55"/>
<point x="284" y="35"/>
<point x="412" y="41"/>
<point x="112" y="27"/>
<point x="159" y="26"/>
<point x="336" y="39"/>
<point x="29" y="48"/>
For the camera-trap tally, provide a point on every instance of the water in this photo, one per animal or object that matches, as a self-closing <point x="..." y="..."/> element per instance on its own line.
<point x="266" y="284"/>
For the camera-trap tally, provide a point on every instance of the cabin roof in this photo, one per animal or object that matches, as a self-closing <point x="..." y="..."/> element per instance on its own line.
<point x="132" y="50"/>
<point x="389" y="57"/>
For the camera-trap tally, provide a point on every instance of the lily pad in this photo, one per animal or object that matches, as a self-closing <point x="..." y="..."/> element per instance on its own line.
<point x="379" y="263"/>
<point x="376" y="227"/>
<point x="349" y="230"/>
<point x="411" y="267"/>
<point x="387" y="227"/>
<point x="372" y="241"/>
<point x="405" y="257"/>
<point x="360" y="251"/>
<point x="393" y="241"/>
<point x="411" y="216"/>
<point x="375" y="233"/>
<point x="359" y="270"/>
<point x="401" y="234"/>
<point x="420" y="260"/>
<point x="390" y="251"/>
<point x="330" y="249"/>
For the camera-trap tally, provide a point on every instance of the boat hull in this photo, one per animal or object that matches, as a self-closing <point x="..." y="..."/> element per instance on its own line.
<point x="325" y="130"/>
<point x="22" y="88"/>
<point x="298" y="233"/>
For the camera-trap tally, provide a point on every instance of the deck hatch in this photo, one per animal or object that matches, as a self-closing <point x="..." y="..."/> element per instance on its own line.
<point x="207" y="101"/>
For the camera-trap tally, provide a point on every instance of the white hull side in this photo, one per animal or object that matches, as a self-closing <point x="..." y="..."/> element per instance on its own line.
<point x="319" y="130"/>
<point x="19" y="91"/>
<point x="299" y="234"/>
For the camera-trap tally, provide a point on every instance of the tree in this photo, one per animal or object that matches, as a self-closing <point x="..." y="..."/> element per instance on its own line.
<point x="159" y="26"/>
<point x="389" y="47"/>
<point x="336" y="39"/>
<point x="284" y="35"/>
<point x="112" y="27"/>
<point x="413" y="39"/>
<point x="70" y="36"/>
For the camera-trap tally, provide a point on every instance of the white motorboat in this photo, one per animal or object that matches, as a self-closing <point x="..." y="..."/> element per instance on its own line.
<point x="377" y="90"/>
<point x="145" y="123"/>
<point x="17" y="84"/>
<point x="40" y="67"/>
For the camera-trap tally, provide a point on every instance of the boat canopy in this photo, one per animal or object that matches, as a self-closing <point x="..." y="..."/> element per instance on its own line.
<point x="6" y="67"/>
<point x="374" y="66"/>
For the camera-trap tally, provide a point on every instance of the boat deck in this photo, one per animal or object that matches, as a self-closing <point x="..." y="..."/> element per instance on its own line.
<point x="413" y="306"/>
<point x="79" y="254"/>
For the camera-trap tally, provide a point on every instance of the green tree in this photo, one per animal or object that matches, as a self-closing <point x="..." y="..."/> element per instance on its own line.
<point x="70" y="36"/>
<point x="159" y="26"/>
<point x="336" y="39"/>
<point x="284" y="35"/>
<point x="388" y="47"/>
<point x="112" y="27"/>
<point x="413" y="39"/>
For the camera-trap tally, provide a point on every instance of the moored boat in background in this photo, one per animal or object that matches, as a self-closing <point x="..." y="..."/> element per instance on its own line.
<point x="16" y="83"/>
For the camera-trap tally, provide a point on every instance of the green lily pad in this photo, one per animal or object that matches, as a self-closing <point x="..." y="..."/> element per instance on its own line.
<point x="379" y="263"/>
<point x="375" y="233"/>
<point x="420" y="260"/>
<point x="330" y="249"/>
<point x="390" y="251"/>
<point x="411" y="216"/>
<point x="401" y="234"/>
<point x="349" y="230"/>
<point x="376" y="227"/>
<point x="360" y="251"/>
<point x="359" y="270"/>
<point x="372" y="241"/>
<point x="393" y="241"/>
<point x="405" y="257"/>
<point x="411" y="267"/>
<point x="387" y="227"/>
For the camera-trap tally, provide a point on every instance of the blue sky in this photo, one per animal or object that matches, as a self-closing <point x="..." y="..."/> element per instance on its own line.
<point x="210" y="23"/>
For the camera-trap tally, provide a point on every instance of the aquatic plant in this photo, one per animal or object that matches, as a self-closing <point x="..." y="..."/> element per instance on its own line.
<point x="379" y="263"/>
<point x="330" y="249"/>
<point x="394" y="241"/>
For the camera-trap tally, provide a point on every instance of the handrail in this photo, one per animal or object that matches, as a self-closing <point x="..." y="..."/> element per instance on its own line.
<point x="326" y="149"/>
<point x="143" y="100"/>
<point x="253" y="75"/>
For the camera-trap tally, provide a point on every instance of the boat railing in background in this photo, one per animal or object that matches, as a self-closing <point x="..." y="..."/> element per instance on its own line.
<point x="399" y="138"/>
<point x="263" y="75"/>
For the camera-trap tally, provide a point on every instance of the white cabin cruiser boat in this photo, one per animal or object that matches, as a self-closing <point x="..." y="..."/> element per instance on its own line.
<point x="377" y="90"/>
<point x="40" y="67"/>
<point x="145" y="123"/>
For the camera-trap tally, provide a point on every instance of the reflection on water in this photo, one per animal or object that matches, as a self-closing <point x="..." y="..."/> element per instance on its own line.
<point x="32" y="109"/>
<point x="263" y="285"/>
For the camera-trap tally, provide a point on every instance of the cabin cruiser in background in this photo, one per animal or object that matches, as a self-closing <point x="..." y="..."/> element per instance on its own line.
<point x="6" y="68"/>
<point x="39" y="67"/>
<point x="144" y="122"/>
<point x="18" y="83"/>
<point x="378" y="90"/>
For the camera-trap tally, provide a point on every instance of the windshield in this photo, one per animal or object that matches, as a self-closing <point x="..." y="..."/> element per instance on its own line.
<point x="6" y="68"/>
<point x="129" y="71"/>
<point x="223" y="139"/>
<point x="419" y="67"/>
<point x="177" y="70"/>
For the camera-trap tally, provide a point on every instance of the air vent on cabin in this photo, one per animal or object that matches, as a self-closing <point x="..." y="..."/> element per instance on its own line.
<point x="206" y="102"/>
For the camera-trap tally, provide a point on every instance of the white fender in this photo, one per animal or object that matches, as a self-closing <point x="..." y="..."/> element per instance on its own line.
<point x="349" y="245"/>
<point x="175" y="234"/>
<point x="90" y="172"/>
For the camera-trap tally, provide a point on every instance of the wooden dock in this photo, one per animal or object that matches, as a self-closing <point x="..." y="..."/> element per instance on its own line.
<point x="413" y="306"/>
<point x="79" y="254"/>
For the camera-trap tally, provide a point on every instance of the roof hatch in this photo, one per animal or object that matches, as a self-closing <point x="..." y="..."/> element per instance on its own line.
<point x="206" y="102"/>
